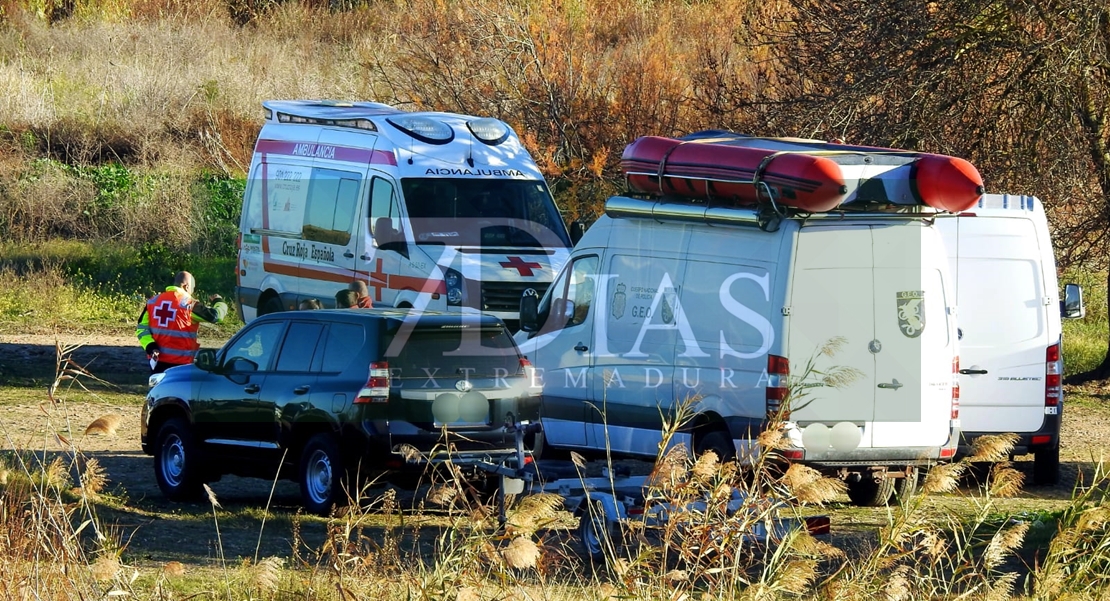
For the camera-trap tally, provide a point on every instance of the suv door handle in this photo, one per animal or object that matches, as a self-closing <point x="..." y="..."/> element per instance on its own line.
<point x="251" y="388"/>
<point x="973" y="372"/>
<point x="893" y="383"/>
<point x="581" y="347"/>
<point x="300" y="389"/>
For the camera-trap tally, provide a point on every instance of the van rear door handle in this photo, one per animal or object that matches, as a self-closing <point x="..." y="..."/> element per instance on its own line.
<point x="366" y="257"/>
<point x="893" y="383"/>
<point x="251" y="388"/>
<point x="300" y="389"/>
<point x="973" y="372"/>
<point x="349" y="255"/>
<point x="581" y="348"/>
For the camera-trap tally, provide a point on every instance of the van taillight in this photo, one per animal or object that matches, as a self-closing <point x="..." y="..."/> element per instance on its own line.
<point x="956" y="387"/>
<point x="376" y="389"/>
<point x="1053" y="367"/>
<point x="778" y="371"/>
<point x="528" y="371"/>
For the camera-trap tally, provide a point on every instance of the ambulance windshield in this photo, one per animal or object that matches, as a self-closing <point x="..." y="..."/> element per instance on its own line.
<point x="483" y="213"/>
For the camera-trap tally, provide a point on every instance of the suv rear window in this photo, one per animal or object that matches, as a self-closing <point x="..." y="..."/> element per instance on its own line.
<point x="489" y="352"/>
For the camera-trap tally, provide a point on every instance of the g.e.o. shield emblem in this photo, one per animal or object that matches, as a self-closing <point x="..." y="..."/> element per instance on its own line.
<point x="618" y="302"/>
<point x="911" y="312"/>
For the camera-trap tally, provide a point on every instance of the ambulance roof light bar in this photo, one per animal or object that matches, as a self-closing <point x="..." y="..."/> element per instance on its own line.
<point x="422" y="128"/>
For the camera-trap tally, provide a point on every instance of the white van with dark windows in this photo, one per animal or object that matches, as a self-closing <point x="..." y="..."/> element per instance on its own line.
<point x="758" y="281"/>
<point x="664" y="301"/>
<point x="432" y="210"/>
<point x="1010" y="328"/>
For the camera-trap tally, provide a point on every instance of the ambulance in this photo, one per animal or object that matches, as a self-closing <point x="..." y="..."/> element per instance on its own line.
<point x="431" y="210"/>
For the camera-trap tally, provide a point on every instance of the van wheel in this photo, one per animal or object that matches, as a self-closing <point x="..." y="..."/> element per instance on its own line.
<point x="272" y="305"/>
<point x="594" y="532"/>
<point x="718" y="441"/>
<point x="321" y="475"/>
<point x="906" y="487"/>
<point x="1046" y="467"/>
<point x="177" y="462"/>
<point x="869" y="492"/>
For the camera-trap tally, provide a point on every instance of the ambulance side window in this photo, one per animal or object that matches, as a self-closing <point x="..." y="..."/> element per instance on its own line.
<point x="572" y="295"/>
<point x="332" y="199"/>
<point x="385" y="222"/>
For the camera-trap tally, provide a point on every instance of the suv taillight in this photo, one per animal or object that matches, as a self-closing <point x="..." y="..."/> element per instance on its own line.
<point x="778" y="371"/>
<point x="1053" y="367"/>
<point x="376" y="389"/>
<point x="956" y="387"/>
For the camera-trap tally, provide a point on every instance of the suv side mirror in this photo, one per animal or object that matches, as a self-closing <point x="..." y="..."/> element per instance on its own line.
<point x="1072" y="305"/>
<point x="577" y="230"/>
<point x="241" y="364"/>
<point x="529" y="310"/>
<point x="205" y="359"/>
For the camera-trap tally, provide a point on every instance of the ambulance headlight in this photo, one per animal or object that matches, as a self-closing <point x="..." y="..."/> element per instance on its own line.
<point x="488" y="130"/>
<point x="423" y="128"/>
<point x="453" y="280"/>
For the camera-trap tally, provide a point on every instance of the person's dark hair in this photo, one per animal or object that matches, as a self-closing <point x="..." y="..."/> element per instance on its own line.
<point x="346" y="299"/>
<point x="309" y="304"/>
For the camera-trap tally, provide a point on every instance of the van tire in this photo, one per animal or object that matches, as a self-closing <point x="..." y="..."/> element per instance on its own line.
<point x="906" y="487"/>
<point x="869" y="492"/>
<point x="718" y="441"/>
<point x="1046" y="467"/>
<point x="272" y="305"/>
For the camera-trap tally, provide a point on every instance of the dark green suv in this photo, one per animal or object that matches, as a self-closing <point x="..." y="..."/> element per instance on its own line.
<point x="326" y="395"/>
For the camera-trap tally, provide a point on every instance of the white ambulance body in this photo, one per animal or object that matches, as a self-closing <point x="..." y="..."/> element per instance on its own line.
<point x="431" y="210"/>
<point x="662" y="302"/>
<point x="1010" y="329"/>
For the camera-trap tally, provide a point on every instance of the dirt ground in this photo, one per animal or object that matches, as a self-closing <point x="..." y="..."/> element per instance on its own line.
<point x="157" y="531"/>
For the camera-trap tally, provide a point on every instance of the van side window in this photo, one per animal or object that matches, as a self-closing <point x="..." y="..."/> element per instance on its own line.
<point x="332" y="200"/>
<point x="300" y="344"/>
<point x="571" y="295"/>
<point x="384" y="212"/>
<point x="276" y="196"/>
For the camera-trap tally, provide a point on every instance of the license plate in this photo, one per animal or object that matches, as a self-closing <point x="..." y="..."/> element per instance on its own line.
<point x="1051" y="410"/>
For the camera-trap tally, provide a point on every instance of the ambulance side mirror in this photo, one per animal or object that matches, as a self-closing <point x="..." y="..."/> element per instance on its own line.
<point x="1072" y="305"/>
<point x="529" y="310"/>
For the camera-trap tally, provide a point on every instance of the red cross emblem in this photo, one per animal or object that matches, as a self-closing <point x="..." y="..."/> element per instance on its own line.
<point x="378" y="280"/>
<point x="165" y="313"/>
<point x="524" y="267"/>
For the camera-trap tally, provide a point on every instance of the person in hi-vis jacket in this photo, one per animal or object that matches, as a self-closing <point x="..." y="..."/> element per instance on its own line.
<point x="169" y="322"/>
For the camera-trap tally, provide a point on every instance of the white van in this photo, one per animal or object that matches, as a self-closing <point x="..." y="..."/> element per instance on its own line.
<point x="665" y="301"/>
<point x="431" y="210"/>
<point x="1010" y="332"/>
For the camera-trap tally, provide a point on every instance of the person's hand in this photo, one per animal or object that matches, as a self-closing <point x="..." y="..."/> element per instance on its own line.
<point x="215" y="298"/>
<point x="152" y="348"/>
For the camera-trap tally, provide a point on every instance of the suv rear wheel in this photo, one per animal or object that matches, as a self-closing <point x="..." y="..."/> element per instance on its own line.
<point x="177" y="461"/>
<point x="321" y="475"/>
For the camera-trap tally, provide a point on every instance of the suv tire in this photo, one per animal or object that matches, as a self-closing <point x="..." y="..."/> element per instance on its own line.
<point x="322" y="475"/>
<point x="177" y="462"/>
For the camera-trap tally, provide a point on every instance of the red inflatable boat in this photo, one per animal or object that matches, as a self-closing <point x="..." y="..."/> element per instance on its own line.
<point x="807" y="175"/>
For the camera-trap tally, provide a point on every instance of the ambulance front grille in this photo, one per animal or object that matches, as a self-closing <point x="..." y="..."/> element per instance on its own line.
<point x="505" y="296"/>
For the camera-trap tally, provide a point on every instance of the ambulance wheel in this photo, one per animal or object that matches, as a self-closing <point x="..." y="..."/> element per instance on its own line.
<point x="718" y="441"/>
<point x="272" y="305"/>
<point x="869" y="492"/>
<point x="1046" y="467"/>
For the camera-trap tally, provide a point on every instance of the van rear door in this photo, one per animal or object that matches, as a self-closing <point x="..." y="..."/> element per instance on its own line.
<point x="873" y="298"/>
<point x="1002" y="348"/>
<point x="913" y="369"/>
<point x="831" y="308"/>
